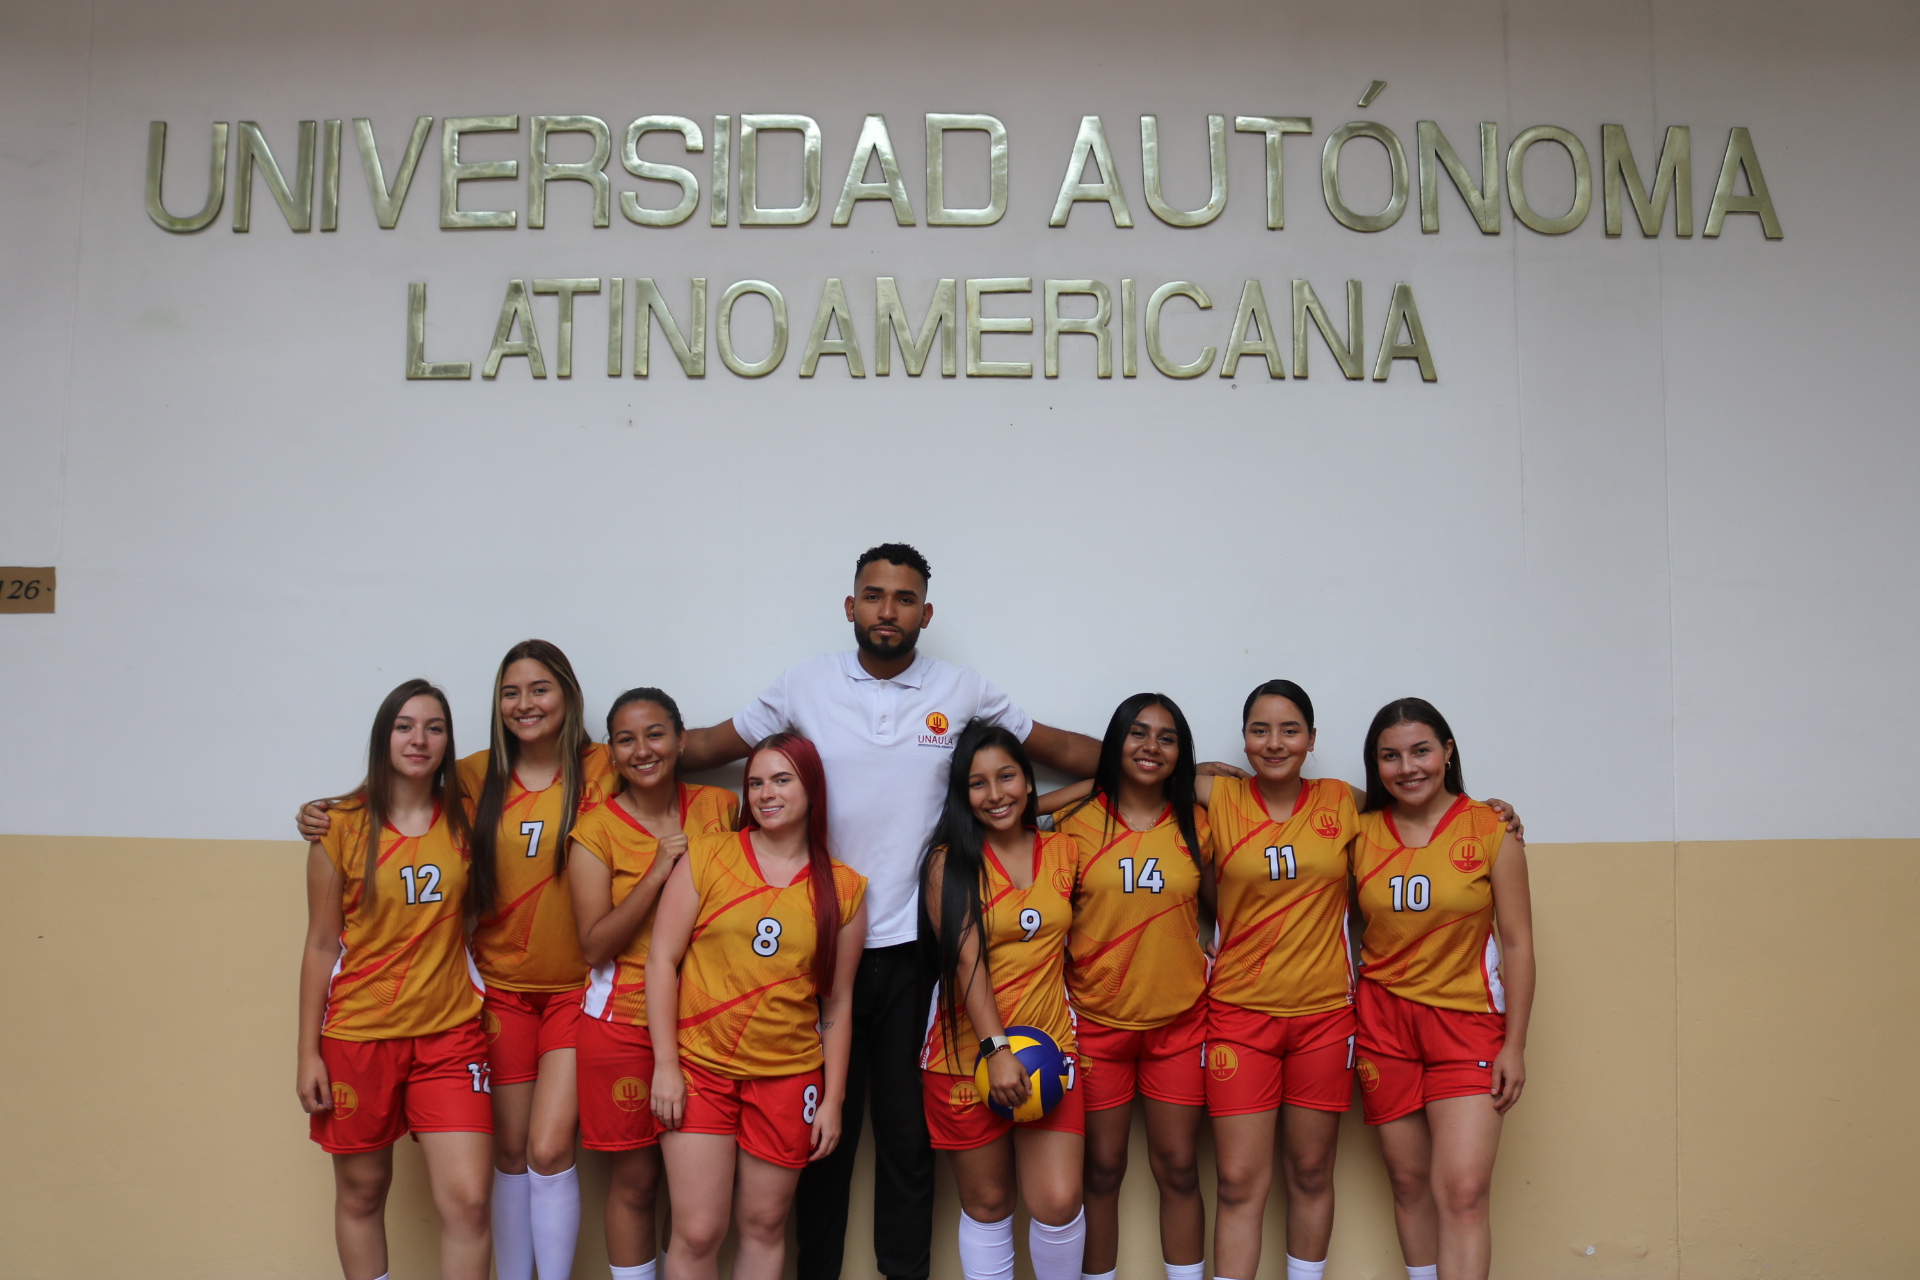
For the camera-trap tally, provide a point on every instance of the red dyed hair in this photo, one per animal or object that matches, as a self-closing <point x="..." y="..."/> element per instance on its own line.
<point x="826" y="897"/>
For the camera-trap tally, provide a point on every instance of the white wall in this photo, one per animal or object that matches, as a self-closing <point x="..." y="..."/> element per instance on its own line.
<point x="1648" y="541"/>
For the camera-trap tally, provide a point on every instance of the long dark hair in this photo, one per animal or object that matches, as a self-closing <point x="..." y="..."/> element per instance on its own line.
<point x="826" y="896"/>
<point x="961" y="840"/>
<point x="1177" y="788"/>
<point x="375" y="792"/>
<point x="503" y="754"/>
<point x="1407" y="711"/>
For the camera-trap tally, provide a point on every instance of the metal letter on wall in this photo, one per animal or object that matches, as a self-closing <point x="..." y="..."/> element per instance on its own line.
<point x="1091" y="142"/>
<point x="875" y="143"/>
<point x="454" y="171"/>
<point x="1330" y="176"/>
<point x="1217" y="170"/>
<point x="418" y="366"/>
<point x="1517" y="187"/>
<point x="1274" y="127"/>
<point x="1155" y="351"/>
<point x="978" y="324"/>
<point x="1483" y="199"/>
<point x="216" y="180"/>
<point x="890" y="316"/>
<point x="389" y="199"/>
<point x="1741" y="155"/>
<point x="295" y="201"/>
<point x="1673" y="179"/>
<point x="939" y="125"/>
<point x="1097" y="326"/>
<point x="751" y="214"/>
<point x="739" y="289"/>
<point x="630" y="205"/>
<point x="593" y="172"/>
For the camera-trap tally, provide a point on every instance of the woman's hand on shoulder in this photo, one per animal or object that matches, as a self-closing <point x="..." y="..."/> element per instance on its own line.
<point x="1220" y="769"/>
<point x="1514" y="826"/>
<point x="313" y="820"/>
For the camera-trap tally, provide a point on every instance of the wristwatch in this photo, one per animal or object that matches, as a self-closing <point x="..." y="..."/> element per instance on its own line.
<point x="992" y="1045"/>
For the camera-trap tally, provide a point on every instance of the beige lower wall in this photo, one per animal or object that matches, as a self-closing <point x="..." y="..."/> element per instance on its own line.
<point x="1720" y="1080"/>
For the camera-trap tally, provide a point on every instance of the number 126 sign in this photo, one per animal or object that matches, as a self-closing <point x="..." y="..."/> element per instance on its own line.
<point x="26" y="590"/>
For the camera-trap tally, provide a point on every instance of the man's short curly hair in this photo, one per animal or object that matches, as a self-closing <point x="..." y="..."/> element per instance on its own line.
<point x="894" y="553"/>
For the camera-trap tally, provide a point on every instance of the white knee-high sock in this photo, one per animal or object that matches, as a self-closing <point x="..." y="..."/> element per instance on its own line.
<point x="1057" y="1251"/>
<point x="1424" y="1273"/>
<point x="513" y="1225"/>
<point x="1298" y="1270"/>
<point x="644" y="1271"/>
<point x="1189" y="1271"/>
<point x="986" y="1248"/>
<point x="556" y="1221"/>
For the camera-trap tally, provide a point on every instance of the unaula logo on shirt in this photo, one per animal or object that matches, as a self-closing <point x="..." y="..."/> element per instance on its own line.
<point x="936" y="734"/>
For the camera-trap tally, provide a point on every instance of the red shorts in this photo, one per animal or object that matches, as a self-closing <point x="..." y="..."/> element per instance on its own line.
<point x="1164" y="1063"/>
<point x="771" y="1118"/>
<point x="1256" y="1061"/>
<point x="382" y="1089"/>
<point x="957" y="1120"/>
<point x="523" y="1025"/>
<point x="613" y="1063"/>
<point x="1412" y="1054"/>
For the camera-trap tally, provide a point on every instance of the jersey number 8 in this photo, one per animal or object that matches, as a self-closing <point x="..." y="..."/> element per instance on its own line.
<point x="766" y="936"/>
<point x="809" y="1103"/>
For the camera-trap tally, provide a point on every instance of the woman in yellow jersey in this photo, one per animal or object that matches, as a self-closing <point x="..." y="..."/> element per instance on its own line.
<point x="1280" y="1040"/>
<point x="623" y="850"/>
<point x="749" y="999"/>
<point x="1444" y="998"/>
<point x="996" y="902"/>
<point x="1137" y="974"/>
<point x="390" y="1038"/>
<point x="526" y="789"/>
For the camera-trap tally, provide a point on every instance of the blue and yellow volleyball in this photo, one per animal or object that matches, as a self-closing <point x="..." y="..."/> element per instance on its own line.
<point x="1049" y="1075"/>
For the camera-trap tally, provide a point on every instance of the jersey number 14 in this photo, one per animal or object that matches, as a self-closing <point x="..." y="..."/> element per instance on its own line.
<point x="1149" y="879"/>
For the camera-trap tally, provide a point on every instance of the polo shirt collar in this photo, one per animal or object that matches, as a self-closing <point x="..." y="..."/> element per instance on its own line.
<point x="912" y="678"/>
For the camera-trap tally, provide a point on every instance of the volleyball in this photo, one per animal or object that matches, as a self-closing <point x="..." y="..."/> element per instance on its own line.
<point x="1049" y="1075"/>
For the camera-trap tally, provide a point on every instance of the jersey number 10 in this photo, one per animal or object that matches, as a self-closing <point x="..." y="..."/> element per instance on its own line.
<point x="1411" y="893"/>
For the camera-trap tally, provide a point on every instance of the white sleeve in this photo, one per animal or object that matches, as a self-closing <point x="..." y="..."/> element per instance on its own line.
<point x="996" y="707"/>
<point x="767" y="714"/>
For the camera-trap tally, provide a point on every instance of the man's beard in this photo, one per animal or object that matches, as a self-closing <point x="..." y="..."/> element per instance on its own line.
<point x="885" y="652"/>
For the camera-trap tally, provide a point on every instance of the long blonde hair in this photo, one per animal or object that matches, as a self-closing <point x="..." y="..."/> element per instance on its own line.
<point x="483" y="878"/>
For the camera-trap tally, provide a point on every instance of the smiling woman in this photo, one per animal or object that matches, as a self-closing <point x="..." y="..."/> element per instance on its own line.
<point x="1444" y="1000"/>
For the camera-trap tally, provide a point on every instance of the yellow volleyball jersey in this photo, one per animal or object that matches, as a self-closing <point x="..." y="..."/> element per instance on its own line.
<point x="748" y="1004"/>
<point x="617" y="990"/>
<point x="1429" y="911"/>
<point x="1026" y="955"/>
<point x="527" y="941"/>
<point x="1282" y="885"/>
<point x="403" y="967"/>
<point x="1134" y="959"/>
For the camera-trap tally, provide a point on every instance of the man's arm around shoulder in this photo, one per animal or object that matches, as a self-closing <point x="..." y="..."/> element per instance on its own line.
<point x="1062" y="750"/>
<point x="713" y="746"/>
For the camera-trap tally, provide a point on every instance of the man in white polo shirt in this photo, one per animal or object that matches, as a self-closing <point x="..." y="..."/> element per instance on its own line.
<point x="884" y="718"/>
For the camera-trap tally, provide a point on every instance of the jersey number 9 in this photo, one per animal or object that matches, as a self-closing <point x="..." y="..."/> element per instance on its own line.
<point x="1029" y="924"/>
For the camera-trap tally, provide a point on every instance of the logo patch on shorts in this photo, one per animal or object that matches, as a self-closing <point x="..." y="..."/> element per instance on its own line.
<point x="629" y="1093"/>
<point x="490" y="1023"/>
<point x="1369" y="1074"/>
<point x="1468" y="856"/>
<point x="1222" y="1062"/>
<point x="345" y="1100"/>
<point x="963" y="1096"/>
<point x="1326" y="823"/>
